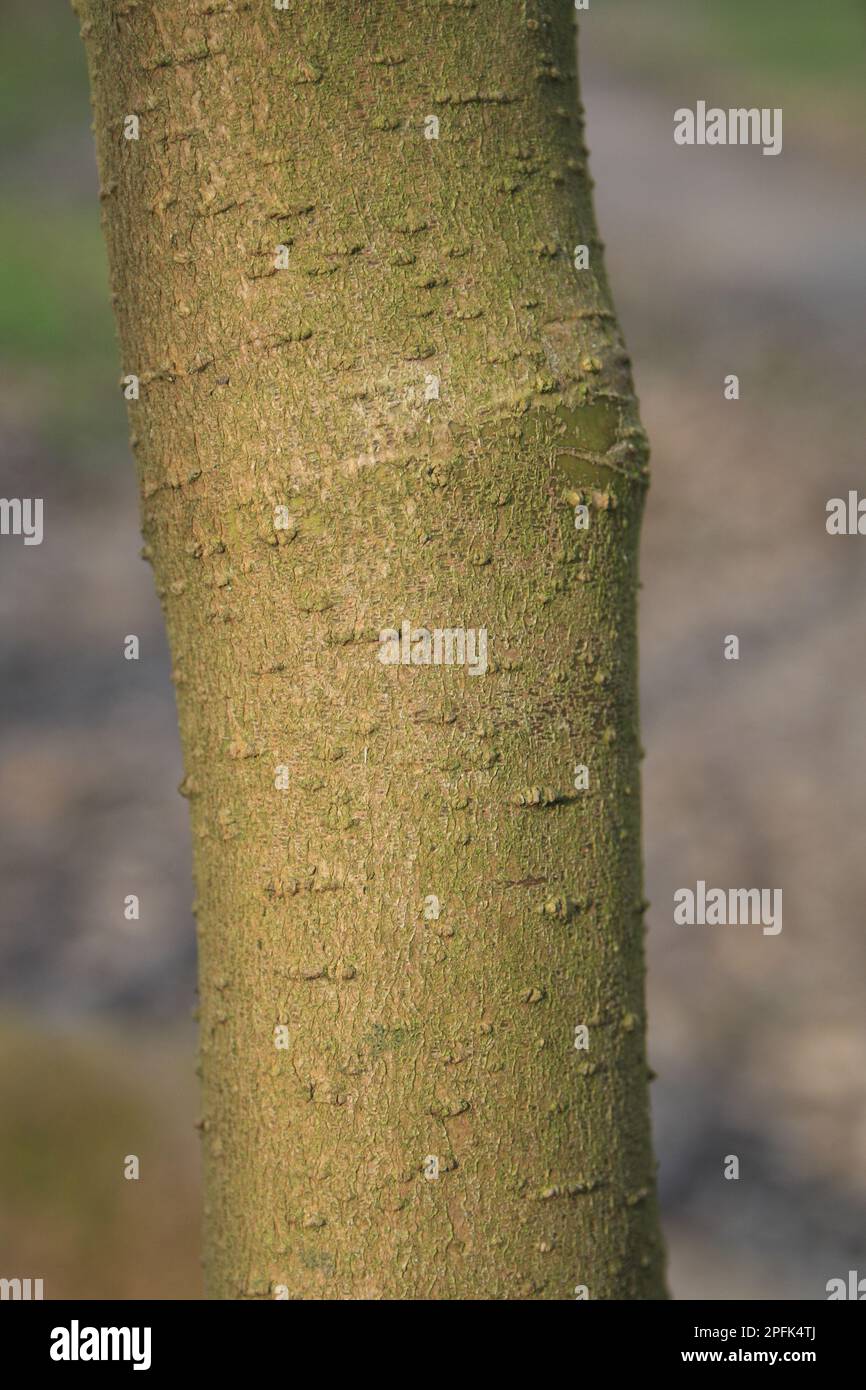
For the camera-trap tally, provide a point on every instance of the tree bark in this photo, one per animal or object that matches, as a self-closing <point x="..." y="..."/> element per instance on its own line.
<point x="408" y="905"/>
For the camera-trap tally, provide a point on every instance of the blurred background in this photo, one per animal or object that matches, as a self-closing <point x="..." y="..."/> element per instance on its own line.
<point x="722" y="261"/>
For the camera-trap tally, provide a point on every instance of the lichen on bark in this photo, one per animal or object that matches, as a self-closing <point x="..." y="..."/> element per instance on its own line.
<point x="304" y="487"/>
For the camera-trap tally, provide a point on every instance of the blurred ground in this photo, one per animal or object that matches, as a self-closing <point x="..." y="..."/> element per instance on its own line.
<point x="754" y="771"/>
<point x="722" y="261"/>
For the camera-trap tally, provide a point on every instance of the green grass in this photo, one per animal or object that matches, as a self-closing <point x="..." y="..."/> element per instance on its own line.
<point x="44" y="75"/>
<point x="821" y="42"/>
<point x="807" y="54"/>
<point x="57" y="340"/>
<point x="54" y="299"/>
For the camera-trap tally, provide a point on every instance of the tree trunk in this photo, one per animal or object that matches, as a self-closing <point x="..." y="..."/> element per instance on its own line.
<point x="420" y="933"/>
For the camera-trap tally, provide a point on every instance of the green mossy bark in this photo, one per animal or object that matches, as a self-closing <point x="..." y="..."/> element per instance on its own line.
<point x="305" y="388"/>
